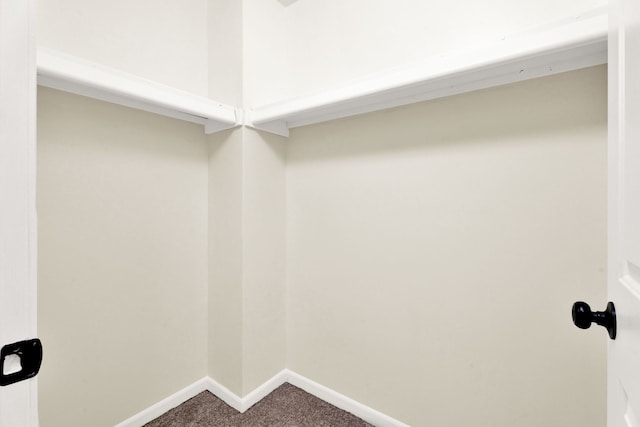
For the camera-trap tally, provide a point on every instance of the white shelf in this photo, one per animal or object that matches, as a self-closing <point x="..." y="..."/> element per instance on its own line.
<point x="572" y="44"/>
<point x="569" y="45"/>
<point x="71" y="74"/>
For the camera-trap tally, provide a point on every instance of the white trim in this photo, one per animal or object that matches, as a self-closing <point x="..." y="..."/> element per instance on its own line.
<point x="224" y="394"/>
<point x="262" y="391"/>
<point x="167" y="404"/>
<point x="214" y="387"/>
<point x="242" y="404"/>
<point x="343" y="402"/>
<point x="65" y="72"/>
<point x="18" y="221"/>
<point x="568" y="45"/>
<point x="276" y="127"/>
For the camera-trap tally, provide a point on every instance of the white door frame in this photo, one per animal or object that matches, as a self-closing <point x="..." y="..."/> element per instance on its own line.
<point x="623" y="376"/>
<point x="18" y="227"/>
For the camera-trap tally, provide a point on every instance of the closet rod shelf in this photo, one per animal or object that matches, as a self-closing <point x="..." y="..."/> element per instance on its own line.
<point x="570" y="45"/>
<point x="75" y="75"/>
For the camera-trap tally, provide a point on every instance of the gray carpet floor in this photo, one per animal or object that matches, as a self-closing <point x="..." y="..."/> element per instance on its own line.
<point x="287" y="406"/>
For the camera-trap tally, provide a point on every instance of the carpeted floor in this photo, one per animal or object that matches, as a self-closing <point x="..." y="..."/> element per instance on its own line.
<point x="287" y="406"/>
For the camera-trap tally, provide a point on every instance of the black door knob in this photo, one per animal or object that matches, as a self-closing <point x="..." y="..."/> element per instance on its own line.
<point x="583" y="317"/>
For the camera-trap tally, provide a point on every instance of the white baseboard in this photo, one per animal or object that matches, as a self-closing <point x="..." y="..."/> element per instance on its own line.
<point x="165" y="405"/>
<point x="261" y="392"/>
<point x="224" y="394"/>
<point x="343" y="402"/>
<point x="241" y="404"/>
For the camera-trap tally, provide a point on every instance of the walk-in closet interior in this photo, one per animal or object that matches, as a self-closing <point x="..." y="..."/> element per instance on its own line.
<point x="391" y="203"/>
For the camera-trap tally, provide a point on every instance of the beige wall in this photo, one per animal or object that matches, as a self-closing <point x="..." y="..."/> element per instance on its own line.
<point x="432" y="255"/>
<point x="262" y="51"/>
<point x="308" y="46"/>
<point x="264" y="298"/>
<point x="247" y="309"/>
<point x="122" y="289"/>
<point x="421" y="260"/>
<point x="225" y="259"/>
<point x="225" y="53"/>
<point x="165" y="41"/>
<point x="434" y="252"/>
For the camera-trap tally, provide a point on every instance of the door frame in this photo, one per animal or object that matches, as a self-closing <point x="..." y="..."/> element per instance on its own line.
<point x="18" y="223"/>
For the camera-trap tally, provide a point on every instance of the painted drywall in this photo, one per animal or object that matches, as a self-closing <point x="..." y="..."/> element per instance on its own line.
<point x="330" y="43"/>
<point x="253" y="52"/>
<point x="122" y="286"/>
<point x="247" y="308"/>
<point x="258" y="52"/>
<point x="434" y="252"/>
<point x="266" y="75"/>
<point x="165" y="41"/>
<point x="225" y="52"/>
<point x="226" y="243"/>
<point x="264" y="298"/>
<point x="247" y="56"/>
